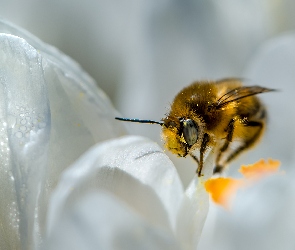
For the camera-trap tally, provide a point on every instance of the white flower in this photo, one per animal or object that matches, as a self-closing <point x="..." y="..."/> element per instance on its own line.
<point x="125" y="193"/>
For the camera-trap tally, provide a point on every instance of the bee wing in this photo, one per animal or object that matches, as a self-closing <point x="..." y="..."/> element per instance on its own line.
<point x="231" y="80"/>
<point x="239" y="93"/>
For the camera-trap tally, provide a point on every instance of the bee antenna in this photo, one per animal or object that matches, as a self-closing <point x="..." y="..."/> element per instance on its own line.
<point x="138" y="120"/>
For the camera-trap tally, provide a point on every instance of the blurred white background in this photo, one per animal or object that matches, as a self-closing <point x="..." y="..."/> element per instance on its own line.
<point x="142" y="52"/>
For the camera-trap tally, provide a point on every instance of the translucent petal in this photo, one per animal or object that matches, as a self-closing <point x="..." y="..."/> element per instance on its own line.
<point x="194" y="207"/>
<point x="100" y="221"/>
<point x="50" y="113"/>
<point x="134" y="169"/>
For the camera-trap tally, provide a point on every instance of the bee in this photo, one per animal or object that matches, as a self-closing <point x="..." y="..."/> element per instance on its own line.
<point x="222" y="115"/>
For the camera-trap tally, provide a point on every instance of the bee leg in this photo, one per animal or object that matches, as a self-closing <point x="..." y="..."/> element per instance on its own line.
<point x="218" y="169"/>
<point x="202" y="151"/>
<point x="230" y="129"/>
<point x="195" y="158"/>
<point x="248" y="143"/>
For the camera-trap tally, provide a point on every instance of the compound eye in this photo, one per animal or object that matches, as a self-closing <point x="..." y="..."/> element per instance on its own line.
<point x="190" y="131"/>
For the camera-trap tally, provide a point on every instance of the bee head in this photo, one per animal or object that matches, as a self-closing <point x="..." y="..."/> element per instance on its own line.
<point x="180" y="134"/>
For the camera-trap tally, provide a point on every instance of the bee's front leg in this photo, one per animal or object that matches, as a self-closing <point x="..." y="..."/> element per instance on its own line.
<point x="202" y="151"/>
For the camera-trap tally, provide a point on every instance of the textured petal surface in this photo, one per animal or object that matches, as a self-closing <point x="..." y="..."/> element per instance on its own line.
<point x="100" y="221"/>
<point x="50" y="113"/>
<point x="134" y="169"/>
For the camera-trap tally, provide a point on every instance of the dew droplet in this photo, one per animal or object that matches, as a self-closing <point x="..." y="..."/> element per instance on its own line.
<point x="19" y="134"/>
<point x="23" y="128"/>
<point x="23" y="121"/>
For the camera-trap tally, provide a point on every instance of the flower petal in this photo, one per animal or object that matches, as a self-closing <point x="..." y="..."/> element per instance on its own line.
<point x="134" y="169"/>
<point x="273" y="67"/>
<point x="194" y="207"/>
<point x="49" y="114"/>
<point x="100" y="221"/>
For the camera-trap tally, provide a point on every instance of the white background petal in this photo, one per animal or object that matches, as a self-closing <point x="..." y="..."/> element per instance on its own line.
<point x="274" y="66"/>
<point x="262" y="218"/>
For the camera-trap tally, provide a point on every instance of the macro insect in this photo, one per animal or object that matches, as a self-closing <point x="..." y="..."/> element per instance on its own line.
<point x="222" y="115"/>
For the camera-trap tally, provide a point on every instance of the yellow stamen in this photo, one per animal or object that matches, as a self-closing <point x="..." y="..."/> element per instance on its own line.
<point x="223" y="190"/>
